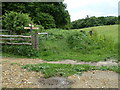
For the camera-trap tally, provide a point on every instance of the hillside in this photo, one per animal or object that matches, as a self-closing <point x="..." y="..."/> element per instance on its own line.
<point x="108" y="30"/>
<point x="73" y="45"/>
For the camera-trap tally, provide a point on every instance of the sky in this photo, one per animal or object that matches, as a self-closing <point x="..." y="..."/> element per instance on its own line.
<point x="79" y="9"/>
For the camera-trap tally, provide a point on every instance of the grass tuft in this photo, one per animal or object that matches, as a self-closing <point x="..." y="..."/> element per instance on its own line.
<point x="50" y="70"/>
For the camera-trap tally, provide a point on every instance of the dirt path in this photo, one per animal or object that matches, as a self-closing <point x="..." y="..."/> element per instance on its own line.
<point x="15" y="77"/>
<point x="23" y="61"/>
<point x="100" y="63"/>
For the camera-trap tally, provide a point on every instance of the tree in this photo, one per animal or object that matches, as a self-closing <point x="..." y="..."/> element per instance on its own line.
<point x="44" y="19"/>
<point x="15" y="22"/>
<point x="110" y="20"/>
<point x="55" y="9"/>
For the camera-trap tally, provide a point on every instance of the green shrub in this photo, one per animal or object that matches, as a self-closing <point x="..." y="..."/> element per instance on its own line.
<point x="44" y="19"/>
<point x="20" y="50"/>
<point x="41" y="28"/>
<point x="15" y="22"/>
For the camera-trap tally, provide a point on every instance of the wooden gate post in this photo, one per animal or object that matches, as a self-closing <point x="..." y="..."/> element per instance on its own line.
<point x="34" y="38"/>
<point x="35" y="41"/>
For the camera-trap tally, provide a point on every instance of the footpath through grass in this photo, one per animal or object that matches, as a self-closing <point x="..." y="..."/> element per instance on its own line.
<point x="51" y="70"/>
<point x="73" y="44"/>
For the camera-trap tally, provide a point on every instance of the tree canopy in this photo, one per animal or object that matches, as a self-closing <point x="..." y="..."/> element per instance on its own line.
<point x="48" y="14"/>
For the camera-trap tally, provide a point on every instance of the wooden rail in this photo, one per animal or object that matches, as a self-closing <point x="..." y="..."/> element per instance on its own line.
<point x="2" y="30"/>
<point x="43" y="34"/>
<point x="14" y="39"/>
<point x="7" y="43"/>
<point x="33" y="39"/>
<point x="15" y="36"/>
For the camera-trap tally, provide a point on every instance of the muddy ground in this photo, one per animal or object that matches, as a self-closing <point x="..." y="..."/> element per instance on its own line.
<point x="15" y="77"/>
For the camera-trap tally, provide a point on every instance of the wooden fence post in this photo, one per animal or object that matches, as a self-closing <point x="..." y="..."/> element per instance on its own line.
<point x="91" y="33"/>
<point x="35" y="41"/>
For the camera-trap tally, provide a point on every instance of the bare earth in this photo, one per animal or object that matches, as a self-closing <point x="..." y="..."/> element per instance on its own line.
<point x="15" y="77"/>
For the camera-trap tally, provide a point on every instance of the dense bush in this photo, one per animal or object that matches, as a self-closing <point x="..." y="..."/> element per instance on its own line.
<point x="56" y="9"/>
<point x="15" y="22"/>
<point x="44" y="19"/>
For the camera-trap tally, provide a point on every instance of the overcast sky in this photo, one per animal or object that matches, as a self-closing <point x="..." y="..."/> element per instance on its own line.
<point x="79" y="9"/>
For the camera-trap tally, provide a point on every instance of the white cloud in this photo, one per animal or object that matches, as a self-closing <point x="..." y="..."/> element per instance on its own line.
<point x="84" y="13"/>
<point x="80" y="8"/>
<point x="81" y="3"/>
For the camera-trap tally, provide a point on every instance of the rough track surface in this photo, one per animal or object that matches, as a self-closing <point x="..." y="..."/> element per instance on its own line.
<point x="15" y="77"/>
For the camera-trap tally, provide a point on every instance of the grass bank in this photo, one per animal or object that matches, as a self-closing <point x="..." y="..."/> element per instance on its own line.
<point x="73" y="44"/>
<point x="64" y="44"/>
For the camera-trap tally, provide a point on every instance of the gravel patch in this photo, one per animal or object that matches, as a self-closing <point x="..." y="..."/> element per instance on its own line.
<point x="95" y="79"/>
<point x="15" y="77"/>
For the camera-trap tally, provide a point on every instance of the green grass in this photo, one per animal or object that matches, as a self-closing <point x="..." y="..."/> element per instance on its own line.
<point x="110" y="31"/>
<point x="71" y="44"/>
<point x="78" y="57"/>
<point x="15" y="56"/>
<point x="58" y="49"/>
<point x="50" y="70"/>
<point x="15" y="64"/>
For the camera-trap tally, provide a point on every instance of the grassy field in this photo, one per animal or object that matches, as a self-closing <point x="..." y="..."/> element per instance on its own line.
<point x="72" y="44"/>
<point x="110" y="31"/>
<point x="58" y="49"/>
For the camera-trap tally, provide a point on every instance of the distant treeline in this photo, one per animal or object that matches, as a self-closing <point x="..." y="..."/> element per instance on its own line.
<point x="94" y="21"/>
